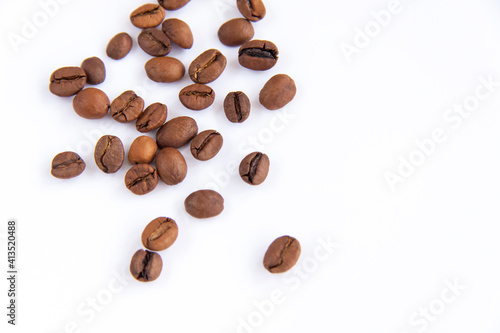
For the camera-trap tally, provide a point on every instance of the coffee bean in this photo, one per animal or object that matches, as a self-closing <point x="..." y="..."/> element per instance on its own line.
<point x="259" y="55"/>
<point x="165" y="69"/>
<point x="141" y="179"/>
<point x="154" y="42"/>
<point x="119" y="46"/>
<point x="67" y="165"/>
<point x="237" y="107"/>
<point x="235" y="32"/>
<point x="91" y="103"/>
<point x="95" y="70"/>
<point x="67" y="81"/>
<point x="282" y="254"/>
<point x="159" y="234"/>
<point x="179" y="32"/>
<point x="207" y="67"/>
<point x="146" y="266"/>
<point x="254" y="168"/>
<point x="277" y="92"/>
<point x="127" y="107"/>
<point x="206" y="145"/>
<point x="152" y="118"/>
<point x="204" y="204"/>
<point x="172" y="4"/>
<point x="109" y="154"/>
<point x="176" y="132"/>
<point x="254" y="10"/>
<point x="171" y="166"/>
<point x="197" y="96"/>
<point x="142" y="150"/>
<point x="148" y="15"/>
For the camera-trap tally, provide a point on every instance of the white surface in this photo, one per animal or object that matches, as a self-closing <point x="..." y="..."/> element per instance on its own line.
<point x="347" y="127"/>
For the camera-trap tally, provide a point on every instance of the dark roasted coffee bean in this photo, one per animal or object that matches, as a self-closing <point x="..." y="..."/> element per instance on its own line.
<point x="259" y="55"/>
<point x="282" y="254"/>
<point x="142" y="150"/>
<point x="148" y="15"/>
<point x="207" y="67"/>
<point x="152" y="118"/>
<point x="204" y="204"/>
<point x="172" y="4"/>
<point x="177" y="132"/>
<point x="67" y="81"/>
<point x="159" y="234"/>
<point x="119" y="46"/>
<point x="154" y="42"/>
<point x="109" y="154"/>
<point x="237" y="107"/>
<point x="235" y="32"/>
<point x="95" y="70"/>
<point x="179" y="32"/>
<point x="67" y="165"/>
<point x="141" y="179"/>
<point x="277" y="92"/>
<point x="165" y="69"/>
<point x="127" y="107"/>
<point x="206" y="145"/>
<point x="254" y="10"/>
<point x="146" y="266"/>
<point x="171" y="166"/>
<point x="197" y="96"/>
<point x="91" y="103"/>
<point x="254" y="168"/>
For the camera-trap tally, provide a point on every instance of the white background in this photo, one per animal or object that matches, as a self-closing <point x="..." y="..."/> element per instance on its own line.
<point x="347" y="127"/>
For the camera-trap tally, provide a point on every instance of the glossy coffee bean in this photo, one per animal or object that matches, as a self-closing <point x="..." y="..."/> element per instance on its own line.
<point x="207" y="67"/>
<point x="165" y="69"/>
<point x="254" y="168"/>
<point x="109" y="154"/>
<point x="277" y="92"/>
<point x="67" y="81"/>
<point x="149" y="15"/>
<point x="146" y="266"/>
<point x="119" y="46"/>
<point x="171" y="166"/>
<point x="152" y="118"/>
<point x="259" y="55"/>
<point x="197" y="96"/>
<point x="67" y="165"/>
<point x="206" y="145"/>
<point x="172" y="4"/>
<point x="127" y="107"/>
<point x="204" y="204"/>
<point x="178" y="32"/>
<point x="154" y="42"/>
<point x="235" y="32"/>
<point x="282" y="254"/>
<point x="254" y="10"/>
<point x="95" y="70"/>
<point x="177" y="132"/>
<point x="91" y="103"/>
<point x="159" y="234"/>
<point x="237" y="107"/>
<point x="141" y="179"/>
<point x="142" y="150"/>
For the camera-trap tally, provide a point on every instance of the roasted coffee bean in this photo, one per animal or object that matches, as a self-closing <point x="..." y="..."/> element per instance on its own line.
<point x="142" y="150"/>
<point x="159" y="234"/>
<point x="259" y="55"/>
<point x="67" y="81"/>
<point x="152" y="118"/>
<point x="237" y="107"/>
<point x="91" y="103"/>
<point x="148" y="15"/>
<point x="204" y="204"/>
<point x="127" y="107"/>
<point x="235" y="32"/>
<point x="206" y="145"/>
<point x="172" y="4"/>
<point x="171" y="166"/>
<point x="177" y="132"/>
<point x="146" y="266"/>
<point x="154" y="42"/>
<point x="197" y="96"/>
<point x="282" y="254"/>
<point x="141" y="179"/>
<point x="119" y="46"/>
<point x="277" y="92"/>
<point x="178" y="32"/>
<point x="207" y="67"/>
<point x="95" y="70"/>
<point x="67" y="165"/>
<point x="254" y="168"/>
<point x="165" y="69"/>
<point x="254" y="10"/>
<point x="109" y="154"/>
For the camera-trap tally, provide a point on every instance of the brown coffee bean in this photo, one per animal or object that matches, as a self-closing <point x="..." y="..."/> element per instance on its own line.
<point x="254" y="168"/>
<point x="282" y="254"/>
<point x="277" y="92"/>
<point x="165" y="69"/>
<point x="154" y="42"/>
<point x="119" y="46"/>
<point x="91" y="103"/>
<point x="207" y="67"/>
<point x="149" y="15"/>
<point x="141" y="179"/>
<point x="259" y="55"/>
<point x="203" y="204"/>
<point x="171" y="166"/>
<point x="237" y="107"/>
<point x="152" y="118"/>
<point x="127" y="107"/>
<point x="254" y="10"/>
<point x="67" y="165"/>
<point x="146" y="266"/>
<point x="67" y="81"/>
<point x="176" y="132"/>
<point x="197" y="96"/>
<point x="109" y="154"/>
<point x="178" y="32"/>
<point x="172" y="4"/>
<point x="159" y="234"/>
<point x="235" y="32"/>
<point x="95" y="70"/>
<point x="206" y="145"/>
<point x="142" y="150"/>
